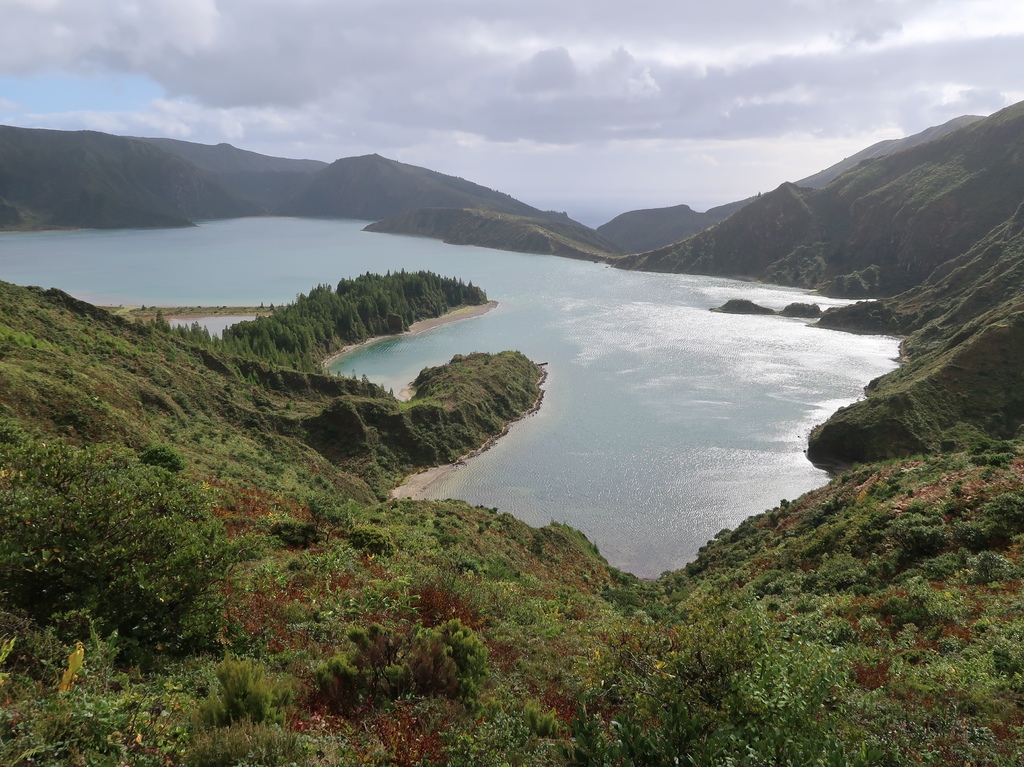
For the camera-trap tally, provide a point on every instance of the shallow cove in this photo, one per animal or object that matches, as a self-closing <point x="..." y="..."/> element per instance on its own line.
<point x="662" y="423"/>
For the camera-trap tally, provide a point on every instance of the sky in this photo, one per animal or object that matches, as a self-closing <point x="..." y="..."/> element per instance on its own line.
<point x="594" y="107"/>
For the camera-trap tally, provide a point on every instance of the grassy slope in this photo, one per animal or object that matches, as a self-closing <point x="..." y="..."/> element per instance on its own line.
<point x="266" y="443"/>
<point x="909" y="572"/>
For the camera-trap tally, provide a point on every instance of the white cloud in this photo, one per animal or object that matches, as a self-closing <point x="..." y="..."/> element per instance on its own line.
<point x="485" y="79"/>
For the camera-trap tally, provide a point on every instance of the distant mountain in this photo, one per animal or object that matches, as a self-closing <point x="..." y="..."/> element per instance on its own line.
<point x="226" y="159"/>
<point x="94" y="180"/>
<point x="257" y="178"/>
<point x="372" y="187"/>
<point x="643" y="230"/>
<point x="504" y="231"/>
<point x="878" y="229"/>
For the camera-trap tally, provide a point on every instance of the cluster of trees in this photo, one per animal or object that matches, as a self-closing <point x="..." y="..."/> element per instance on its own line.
<point x="300" y="334"/>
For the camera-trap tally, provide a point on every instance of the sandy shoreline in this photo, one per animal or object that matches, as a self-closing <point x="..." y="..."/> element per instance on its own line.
<point x="415" y="485"/>
<point x="456" y="315"/>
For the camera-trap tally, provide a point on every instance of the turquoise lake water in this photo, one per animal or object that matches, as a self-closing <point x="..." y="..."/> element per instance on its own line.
<point x="662" y="422"/>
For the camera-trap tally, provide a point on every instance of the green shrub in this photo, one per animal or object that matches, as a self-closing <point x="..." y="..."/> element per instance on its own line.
<point x="163" y="456"/>
<point x="245" y="695"/>
<point x="327" y="512"/>
<point x="294" y="532"/>
<point x="543" y="724"/>
<point x="245" y="745"/>
<point x="340" y="682"/>
<point x="918" y="534"/>
<point x="447" y="661"/>
<point x="95" y="531"/>
<point x="989" y="567"/>
<point x="469" y="654"/>
<point x="371" y="540"/>
<point x="432" y="669"/>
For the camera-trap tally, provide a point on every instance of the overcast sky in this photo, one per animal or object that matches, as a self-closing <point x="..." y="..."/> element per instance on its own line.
<point x="590" y="106"/>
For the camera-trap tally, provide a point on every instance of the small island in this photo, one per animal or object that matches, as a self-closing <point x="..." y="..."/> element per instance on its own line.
<point x="746" y="306"/>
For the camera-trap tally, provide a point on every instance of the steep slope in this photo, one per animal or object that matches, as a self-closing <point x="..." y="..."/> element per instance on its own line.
<point x="94" y="180"/>
<point x="504" y="231"/>
<point x="907" y="572"/>
<point x="643" y="230"/>
<point x="965" y="360"/>
<point x="879" y="229"/>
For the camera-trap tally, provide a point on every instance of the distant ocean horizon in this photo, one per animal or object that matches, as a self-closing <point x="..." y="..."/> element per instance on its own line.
<point x="662" y="422"/>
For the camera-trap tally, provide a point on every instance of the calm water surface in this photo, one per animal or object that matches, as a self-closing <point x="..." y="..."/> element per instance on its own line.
<point x="662" y="422"/>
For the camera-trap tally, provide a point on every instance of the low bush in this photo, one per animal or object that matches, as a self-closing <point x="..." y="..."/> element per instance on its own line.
<point x="245" y="744"/>
<point x="92" y="531"/>
<point x="371" y="540"/>
<point x="448" y="661"/>
<point x="245" y="695"/>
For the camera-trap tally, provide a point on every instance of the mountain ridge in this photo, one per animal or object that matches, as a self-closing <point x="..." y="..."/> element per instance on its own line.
<point x="878" y="229"/>
<point x="649" y="229"/>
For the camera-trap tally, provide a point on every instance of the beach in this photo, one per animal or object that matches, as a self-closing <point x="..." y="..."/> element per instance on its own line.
<point x="416" y="485"/>
<point x="455" y="315"/>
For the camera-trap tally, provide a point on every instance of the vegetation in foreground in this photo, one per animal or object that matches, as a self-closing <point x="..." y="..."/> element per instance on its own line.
<point x="200" y="566"/>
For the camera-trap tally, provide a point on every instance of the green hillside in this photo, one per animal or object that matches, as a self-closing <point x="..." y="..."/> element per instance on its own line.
<point x="503" y="231"/>
<point x="963" y="352"/>
<point x="247" y="175"/>
<point x="878" y="229"/>
<point x="57" y="179"/>
<point x="214" y="531"/>
<point x="639" y="231"/>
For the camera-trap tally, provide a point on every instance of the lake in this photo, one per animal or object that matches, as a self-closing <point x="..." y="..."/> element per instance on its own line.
<point x="662" y="422"/>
